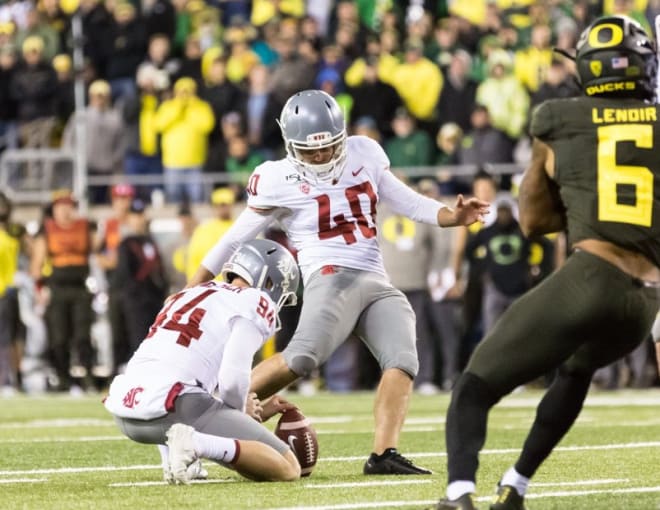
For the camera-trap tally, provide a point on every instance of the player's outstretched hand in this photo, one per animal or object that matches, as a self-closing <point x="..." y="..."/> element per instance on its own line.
<point x="465" y="212"/>
<point x="275" y="404"/>
<point x="254" y="408"/>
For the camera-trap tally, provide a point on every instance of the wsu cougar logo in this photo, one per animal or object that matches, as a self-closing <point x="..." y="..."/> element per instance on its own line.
<point x="130" y="399"/>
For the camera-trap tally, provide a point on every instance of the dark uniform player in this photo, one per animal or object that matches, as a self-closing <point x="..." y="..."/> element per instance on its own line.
<point x="594" y="171"/>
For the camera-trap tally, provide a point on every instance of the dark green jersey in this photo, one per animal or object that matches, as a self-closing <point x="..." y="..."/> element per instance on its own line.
<point x="607" y="165"/>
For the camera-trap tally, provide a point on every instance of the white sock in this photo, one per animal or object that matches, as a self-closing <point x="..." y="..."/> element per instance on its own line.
<point x="515" y="479"/>
<point x="164" y="452"/>
<point x="456" y="489"/>
<point x="219" y="449"/>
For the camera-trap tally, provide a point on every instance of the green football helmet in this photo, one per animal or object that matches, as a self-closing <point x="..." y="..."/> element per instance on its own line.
<point x="616" y="58"/>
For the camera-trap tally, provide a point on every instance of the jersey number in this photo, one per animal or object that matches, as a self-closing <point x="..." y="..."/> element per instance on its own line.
<point x="343" y="227"/>
<point x="264" y="311"/>
<point x="187" y="330"/>
<point x="611" y="175"/>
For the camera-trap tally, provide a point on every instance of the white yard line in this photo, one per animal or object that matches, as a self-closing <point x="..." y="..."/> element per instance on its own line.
<point x="23" y="480"/>
<point x="651" y="444"/>
<point x="349" y="485"/>
<point x="58" y="423"/>
<point x="82" y="439"/>
<point x="154" y="483"/>
<point x="604" y="481"/>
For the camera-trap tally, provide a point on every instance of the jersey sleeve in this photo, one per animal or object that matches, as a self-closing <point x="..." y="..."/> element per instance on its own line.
<point x="257" y="307"/>
<point x="543" y="123"/>
<point x="262" y="188"/>
<point x="371" y="151"/>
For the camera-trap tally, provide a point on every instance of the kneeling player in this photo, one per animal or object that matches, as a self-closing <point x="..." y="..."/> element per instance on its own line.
<point x="205" y="338"/>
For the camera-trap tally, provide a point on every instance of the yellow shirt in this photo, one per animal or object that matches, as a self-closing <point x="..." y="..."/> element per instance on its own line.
<point x="9" y="250"/>
<point x="202" y="240"/>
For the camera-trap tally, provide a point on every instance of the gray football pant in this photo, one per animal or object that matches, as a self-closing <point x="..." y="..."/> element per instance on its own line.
<point x="205" y="414"/>
<point x="341" y="301"/>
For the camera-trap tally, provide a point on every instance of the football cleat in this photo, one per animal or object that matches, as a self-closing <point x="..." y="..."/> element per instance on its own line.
<point x="465" y="502"/>
<point x="182" y="452"/>
<point x="508" y="499"/>
<point x="195" y="472"/>
<point x="391" y="462"/>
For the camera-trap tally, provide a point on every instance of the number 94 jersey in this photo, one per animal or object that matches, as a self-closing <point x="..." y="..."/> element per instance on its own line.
<point x="607" y="168"/>
<point x="329" y="224"/>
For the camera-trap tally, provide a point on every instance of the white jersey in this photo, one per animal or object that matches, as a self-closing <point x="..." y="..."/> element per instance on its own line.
<point x="185" y="349"/>
<point x="330" y="224"/>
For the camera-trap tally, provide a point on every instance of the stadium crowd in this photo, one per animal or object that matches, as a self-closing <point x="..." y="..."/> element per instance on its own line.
<point x="189" y="88"/>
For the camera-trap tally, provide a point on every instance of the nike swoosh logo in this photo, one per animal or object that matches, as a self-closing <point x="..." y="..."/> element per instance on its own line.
<point x="355" y="172"/>
<point x="291" y="440"/>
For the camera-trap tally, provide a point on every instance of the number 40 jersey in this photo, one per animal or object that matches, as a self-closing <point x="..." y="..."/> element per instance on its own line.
<point x="607" y="168"/>
<point x="335" y="223"/>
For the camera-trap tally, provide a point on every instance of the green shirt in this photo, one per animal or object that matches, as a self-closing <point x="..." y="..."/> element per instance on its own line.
<point x="607" y="168"/>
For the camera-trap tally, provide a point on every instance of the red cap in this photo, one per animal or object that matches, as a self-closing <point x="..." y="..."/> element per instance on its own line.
<point x="123" y="190"/>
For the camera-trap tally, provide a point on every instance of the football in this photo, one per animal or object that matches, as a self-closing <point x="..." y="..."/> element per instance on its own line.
<point x="295" y="429"/>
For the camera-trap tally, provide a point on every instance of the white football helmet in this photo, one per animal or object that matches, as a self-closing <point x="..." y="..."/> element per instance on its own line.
<point x="312" y="119"/>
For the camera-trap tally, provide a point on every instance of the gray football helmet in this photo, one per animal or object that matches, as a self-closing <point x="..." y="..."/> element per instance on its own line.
<point x="268" y="266"/>
<point x="312" y="119"/>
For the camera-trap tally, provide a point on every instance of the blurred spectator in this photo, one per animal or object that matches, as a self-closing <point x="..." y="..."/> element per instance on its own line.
<point x="108" y="236"/>
<point x="10" y="248"/>
<point x="128" y="44"/>
<point x="265" y="10"/>
<point x="419" y="83"/>
<point x="54" y="17"/>
<point x="442" y="310"/>
<point x="207" y="233"/>
<point x="409" y="146"/>
<point x="65" y="102"/>
<point x="366" y="126"/>
<point x="241" y="159"/>
<point x="532" y="63"/>
<point x="35" y="27"/>
<point x="505" y="253"/>
<point x="259" y="112"/>
<point x="375" y="99"/>
<point x="457" y="98"/>
<point x="140" y="276"/>
<point x="175" y="254"/>
<point x="557" y="84"/>
<point x="448" y="142"/>
<point x="34" y="87"/>
<point x="483" y="143"/>
<point x="504" y="96"/>
<point x="103" y="137"/>
<point x="468" y="267"/>
<point x="159" y="18"/>
<point x="65" y="240"/>
<point x="159" y="56"/>
<point x="184" y="122"/>
<point x="8" y="107"/>
<point x="292" y="73"/>
<point x="142" y="155"/>
<point x="264" y="46"/>
<point x="241" y="59"/>
<point x="97" y="26"/>
<point x="407" y="252"/>
<point x="191" y="63"/>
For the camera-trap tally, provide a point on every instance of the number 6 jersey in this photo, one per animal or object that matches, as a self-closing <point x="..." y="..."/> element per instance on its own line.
<point x="335" y="223"/>
<point x="607" y="168"/>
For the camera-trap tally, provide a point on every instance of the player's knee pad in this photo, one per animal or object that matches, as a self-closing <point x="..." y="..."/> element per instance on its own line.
<point x="302" y="365"/>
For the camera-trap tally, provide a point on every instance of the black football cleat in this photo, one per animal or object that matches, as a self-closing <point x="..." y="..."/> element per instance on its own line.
<point x="391" y="462"/>
<point x="508" y="499"/>
<point x="465" y="502"/>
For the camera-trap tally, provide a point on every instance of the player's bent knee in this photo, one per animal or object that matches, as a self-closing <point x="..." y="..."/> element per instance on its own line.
<point x="292" y="470"/>
<point x="406" y="362"/>
<point x="302" y="365"/>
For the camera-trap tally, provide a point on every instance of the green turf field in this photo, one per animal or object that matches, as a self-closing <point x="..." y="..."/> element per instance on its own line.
<point x="63" y="453"/>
